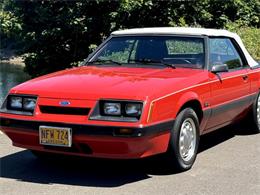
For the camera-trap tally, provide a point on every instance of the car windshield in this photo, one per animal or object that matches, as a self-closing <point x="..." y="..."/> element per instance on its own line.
<point x="187" y="52"/>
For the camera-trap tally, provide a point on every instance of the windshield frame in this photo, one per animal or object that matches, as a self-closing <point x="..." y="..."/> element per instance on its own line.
<point x="92" y="55"/>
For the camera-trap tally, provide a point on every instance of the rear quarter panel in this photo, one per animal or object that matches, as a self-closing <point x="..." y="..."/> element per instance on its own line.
<point x="254" y="75"/>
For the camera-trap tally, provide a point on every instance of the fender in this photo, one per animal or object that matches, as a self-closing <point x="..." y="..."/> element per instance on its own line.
<point x="168" y="107"/>
<point x="186" y="97"/>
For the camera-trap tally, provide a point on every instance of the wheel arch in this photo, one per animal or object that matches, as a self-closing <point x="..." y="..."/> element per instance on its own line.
<point x="191" y="100"/>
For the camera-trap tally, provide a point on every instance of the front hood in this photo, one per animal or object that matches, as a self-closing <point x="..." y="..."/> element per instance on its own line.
<point x="108" y="82"/>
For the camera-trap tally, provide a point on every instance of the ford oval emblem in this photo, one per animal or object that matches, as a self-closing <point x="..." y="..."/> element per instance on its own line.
<point x="64" y="103"/>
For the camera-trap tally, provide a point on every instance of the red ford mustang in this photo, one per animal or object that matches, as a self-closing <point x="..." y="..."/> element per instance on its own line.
<point x="142" y="92"/>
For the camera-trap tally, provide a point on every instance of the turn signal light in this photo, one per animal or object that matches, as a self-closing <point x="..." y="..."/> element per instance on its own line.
<point x="123" y="132"/>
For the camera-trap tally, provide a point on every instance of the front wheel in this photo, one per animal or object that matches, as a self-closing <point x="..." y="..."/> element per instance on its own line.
<point x="184" y="140"/>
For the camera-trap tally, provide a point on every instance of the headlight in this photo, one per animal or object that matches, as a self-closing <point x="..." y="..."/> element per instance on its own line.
<point x="29" y="103"/>
<point x="133" y="109"/>
<point x="117" y="110"/>
<point x="16" y="102"/>
<point x="112" y="108"/>
<point x="21" y="103"/>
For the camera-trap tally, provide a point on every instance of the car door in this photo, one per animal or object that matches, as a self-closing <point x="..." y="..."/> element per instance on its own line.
<point x="229" y="90"/>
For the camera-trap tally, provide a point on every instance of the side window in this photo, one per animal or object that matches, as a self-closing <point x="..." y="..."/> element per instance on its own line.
<point x="222" y="51"/>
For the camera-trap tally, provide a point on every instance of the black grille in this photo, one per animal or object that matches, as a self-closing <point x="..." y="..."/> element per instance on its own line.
<point x="64" y="110"/>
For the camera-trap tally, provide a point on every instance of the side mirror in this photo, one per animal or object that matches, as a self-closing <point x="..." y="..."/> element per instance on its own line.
<point x="219" y="68"/>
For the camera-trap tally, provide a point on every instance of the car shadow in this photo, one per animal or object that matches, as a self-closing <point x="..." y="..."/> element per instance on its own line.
<point x="23" y="166"/>
<point x="217" y="137"/>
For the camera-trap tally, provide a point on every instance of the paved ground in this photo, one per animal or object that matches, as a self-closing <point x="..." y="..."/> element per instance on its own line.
<point x="228" y="163"/>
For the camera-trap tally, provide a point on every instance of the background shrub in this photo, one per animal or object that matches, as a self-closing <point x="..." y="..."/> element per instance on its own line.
<point x="54" y="35"/>
<point x="250" y="37"/>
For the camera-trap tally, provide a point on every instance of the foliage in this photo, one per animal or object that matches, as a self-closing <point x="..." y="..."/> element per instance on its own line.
<point x="9" y="23"/>
<point x="250" y="37"/>
<point x="10" y="27"/>
<point x="58" y="34"/>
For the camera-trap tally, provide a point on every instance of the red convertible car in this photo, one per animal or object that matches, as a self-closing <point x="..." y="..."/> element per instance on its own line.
<point x="142" y="92"/>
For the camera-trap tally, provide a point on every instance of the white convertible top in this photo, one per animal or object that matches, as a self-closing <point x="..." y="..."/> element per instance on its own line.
<point x="189" y="31"/>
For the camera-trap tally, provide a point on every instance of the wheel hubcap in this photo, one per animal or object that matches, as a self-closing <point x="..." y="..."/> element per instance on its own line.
<point x="187" y="139"/>
<point x="258" y="111"/>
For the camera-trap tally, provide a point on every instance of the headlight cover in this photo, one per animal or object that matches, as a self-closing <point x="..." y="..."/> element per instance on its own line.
<point x="117" y="110"/>
<point x="29" y="104"/>
<point x="19" y="104"/>
<point x="16" y="102"/>
<point x="112" y="108"/>
<point x="133" y="109"/>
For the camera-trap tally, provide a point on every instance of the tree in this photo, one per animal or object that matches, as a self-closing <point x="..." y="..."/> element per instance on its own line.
<point x="58" y="34"/>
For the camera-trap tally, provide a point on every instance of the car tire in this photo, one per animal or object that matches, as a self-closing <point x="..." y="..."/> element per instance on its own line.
<point x="256" y="115"/>
<point x="184" y="141"/>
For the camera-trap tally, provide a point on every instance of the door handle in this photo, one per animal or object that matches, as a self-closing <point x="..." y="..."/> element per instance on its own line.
<point x="245" y="77"/>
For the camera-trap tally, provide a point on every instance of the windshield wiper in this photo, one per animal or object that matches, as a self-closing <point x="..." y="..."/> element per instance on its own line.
<point x="104" y="61"/>
<point x="151" y="61"/>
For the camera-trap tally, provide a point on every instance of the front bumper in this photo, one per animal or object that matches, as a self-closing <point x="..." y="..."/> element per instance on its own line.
<point x="91" y="140"/>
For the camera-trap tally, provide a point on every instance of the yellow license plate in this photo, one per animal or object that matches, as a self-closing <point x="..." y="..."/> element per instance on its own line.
<point x="55" y="136"/>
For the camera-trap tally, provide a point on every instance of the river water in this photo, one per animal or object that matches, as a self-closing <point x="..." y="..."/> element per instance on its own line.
<point x="10" y="76"/>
